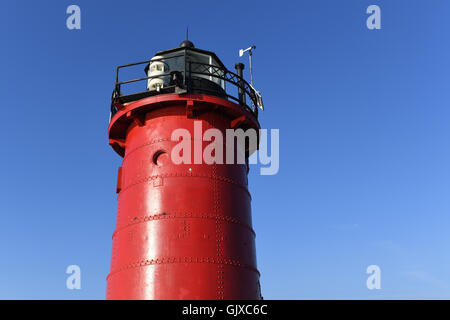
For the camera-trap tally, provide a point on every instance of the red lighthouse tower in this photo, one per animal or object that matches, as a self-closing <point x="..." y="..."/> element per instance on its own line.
<point x="183" y="231"/>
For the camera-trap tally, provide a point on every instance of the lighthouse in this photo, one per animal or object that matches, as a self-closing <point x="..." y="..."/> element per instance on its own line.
<point x="183" y="230"/>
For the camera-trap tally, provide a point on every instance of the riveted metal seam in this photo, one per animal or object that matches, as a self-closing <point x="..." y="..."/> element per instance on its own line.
<point x="173" y="260"/>
<point x="137" y="220"/>
<point x="144" y="145"/>
<point x="149" y="143"/>
<point x="183" y="175"/>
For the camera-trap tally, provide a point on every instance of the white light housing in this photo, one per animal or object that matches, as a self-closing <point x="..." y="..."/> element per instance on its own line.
<point x="156" y="69"/>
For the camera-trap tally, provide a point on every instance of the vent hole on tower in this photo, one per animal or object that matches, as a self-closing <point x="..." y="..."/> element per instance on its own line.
<point x="160" y="157"/>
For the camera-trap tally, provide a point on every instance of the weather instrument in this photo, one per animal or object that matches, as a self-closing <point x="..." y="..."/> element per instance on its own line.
<point x="257" y="93"/>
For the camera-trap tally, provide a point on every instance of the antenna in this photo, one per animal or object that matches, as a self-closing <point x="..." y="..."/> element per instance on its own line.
<point x="259" y="101"/>
<point x="187" y="32"/>
<point x="241" y="53"/>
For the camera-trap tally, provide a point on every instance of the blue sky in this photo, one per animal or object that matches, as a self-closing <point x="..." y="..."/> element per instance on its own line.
<point x="364" y="140"/>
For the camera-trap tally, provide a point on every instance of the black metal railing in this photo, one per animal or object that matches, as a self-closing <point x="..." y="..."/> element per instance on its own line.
<point x="189" y="77"/>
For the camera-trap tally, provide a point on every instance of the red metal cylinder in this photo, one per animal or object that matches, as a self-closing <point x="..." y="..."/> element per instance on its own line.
<point x="183" y="231"/>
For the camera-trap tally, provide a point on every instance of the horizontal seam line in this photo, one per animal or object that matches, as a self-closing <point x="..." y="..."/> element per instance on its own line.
<point x="131" y="151"/>
<point x="184" y="175"/>
<point x="183" y="216"/>
<point x="148" y="262"/>
<point x="145" y="145"/>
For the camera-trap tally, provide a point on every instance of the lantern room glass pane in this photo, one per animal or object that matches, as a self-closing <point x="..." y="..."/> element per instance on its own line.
<point x="206" y="60"/>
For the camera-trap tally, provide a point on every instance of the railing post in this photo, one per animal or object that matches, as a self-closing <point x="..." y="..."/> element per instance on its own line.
<point x="239" y="67"/>
<point x="185" y="74"/>
<point x="190" y="76"/>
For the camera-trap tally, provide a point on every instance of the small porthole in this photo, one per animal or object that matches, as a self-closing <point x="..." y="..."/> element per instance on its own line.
<point x="160" y="157"/>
